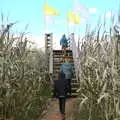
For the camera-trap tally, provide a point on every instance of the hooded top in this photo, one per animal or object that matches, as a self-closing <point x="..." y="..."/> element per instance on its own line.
<point x="64" y="40"/>
<point x="61" y="76"/>
<point x="60" y="85"/>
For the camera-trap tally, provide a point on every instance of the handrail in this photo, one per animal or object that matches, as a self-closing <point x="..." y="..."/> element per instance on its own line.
<point x="74" y="49"/>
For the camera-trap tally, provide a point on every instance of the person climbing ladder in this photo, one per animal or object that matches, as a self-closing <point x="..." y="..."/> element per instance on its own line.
<point x="68" y="69"/>
<point x="64" y="44"/>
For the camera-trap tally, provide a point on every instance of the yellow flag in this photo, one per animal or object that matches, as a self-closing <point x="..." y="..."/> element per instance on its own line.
<point x="48" y="10"/>
<point x="77" y="19"/>
<point x="70" y="17"/>
<point x="73" y="18"/>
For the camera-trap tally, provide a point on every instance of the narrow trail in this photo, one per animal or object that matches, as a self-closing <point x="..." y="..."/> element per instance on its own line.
<point x="53" y="110"/>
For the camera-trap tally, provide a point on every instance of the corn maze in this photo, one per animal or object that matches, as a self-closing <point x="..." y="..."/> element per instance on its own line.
<point x="25" y="85"/>
<point x="99" y="75"/>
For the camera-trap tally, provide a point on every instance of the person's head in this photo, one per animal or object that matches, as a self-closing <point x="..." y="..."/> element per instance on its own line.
<point x="63" y="35"/>
<point x="67" y="59"/>
<point x="61" y="76"/>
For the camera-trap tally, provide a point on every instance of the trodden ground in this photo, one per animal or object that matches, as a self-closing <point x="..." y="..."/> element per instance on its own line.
<point x="52" y="113"/>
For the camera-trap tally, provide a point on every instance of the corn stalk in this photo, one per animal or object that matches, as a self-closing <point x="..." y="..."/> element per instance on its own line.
<point x="24" y="87"/>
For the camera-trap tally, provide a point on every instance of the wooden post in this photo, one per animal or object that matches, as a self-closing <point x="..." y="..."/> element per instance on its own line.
<point x="49" y="51"/>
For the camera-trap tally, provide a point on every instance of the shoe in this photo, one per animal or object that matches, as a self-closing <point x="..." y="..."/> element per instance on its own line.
<point x="63" y="116"/>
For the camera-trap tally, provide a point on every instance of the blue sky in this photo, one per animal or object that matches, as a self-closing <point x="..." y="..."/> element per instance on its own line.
<point x="31" y="12"/>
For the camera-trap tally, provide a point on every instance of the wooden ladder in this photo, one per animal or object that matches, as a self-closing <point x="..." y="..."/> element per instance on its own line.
<point x="57" y="61"/>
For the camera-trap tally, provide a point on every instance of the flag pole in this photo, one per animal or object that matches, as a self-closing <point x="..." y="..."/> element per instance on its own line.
<point x="67" y="25"/>
<point x="44" y="17"/>
<point x="74" y="30"/>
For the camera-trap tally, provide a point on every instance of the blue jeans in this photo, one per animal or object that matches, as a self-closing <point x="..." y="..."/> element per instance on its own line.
<point x="69" y="85"/>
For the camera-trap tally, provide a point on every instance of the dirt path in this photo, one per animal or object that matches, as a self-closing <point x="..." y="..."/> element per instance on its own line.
<point x="53" y="110"/>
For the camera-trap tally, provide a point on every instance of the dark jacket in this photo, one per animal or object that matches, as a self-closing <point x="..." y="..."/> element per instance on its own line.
<point x="60" y="86"/>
